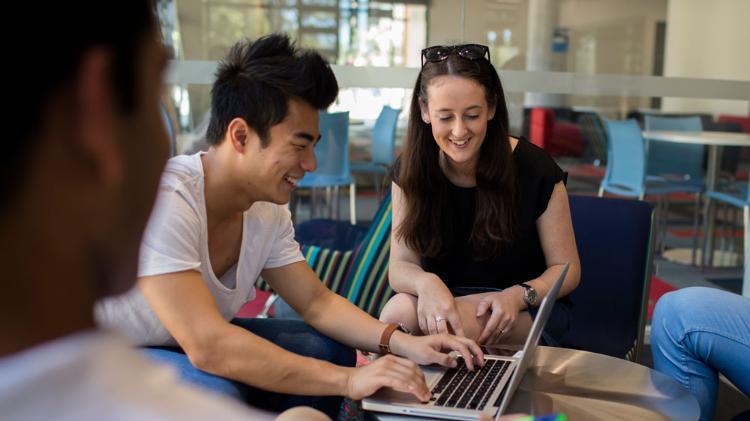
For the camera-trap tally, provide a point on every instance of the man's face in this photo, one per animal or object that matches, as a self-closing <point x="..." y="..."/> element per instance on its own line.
<point x="145" y="149"/>
<point x="289" y="155"/>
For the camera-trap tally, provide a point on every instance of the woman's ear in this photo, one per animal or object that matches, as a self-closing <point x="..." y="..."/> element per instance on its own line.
<point x="491" y="113"/>
<point x="424" y="112"/>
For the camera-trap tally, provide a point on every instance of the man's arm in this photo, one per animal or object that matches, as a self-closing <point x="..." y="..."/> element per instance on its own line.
<point x="186" y="308"/>
<point x="339" y="319"/>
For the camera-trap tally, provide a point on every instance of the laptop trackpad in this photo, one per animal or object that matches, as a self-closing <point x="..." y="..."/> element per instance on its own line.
<point x="389" y="395"/>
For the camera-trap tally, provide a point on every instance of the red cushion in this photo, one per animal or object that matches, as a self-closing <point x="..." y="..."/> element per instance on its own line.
<point x="253" y="308"/>
<point x="540" y="126"/>
<point x="742" y="121"/>
<point x="557" y="138"/>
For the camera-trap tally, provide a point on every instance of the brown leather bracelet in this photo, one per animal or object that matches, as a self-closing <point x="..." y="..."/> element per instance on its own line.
<point x="385" y="338"/>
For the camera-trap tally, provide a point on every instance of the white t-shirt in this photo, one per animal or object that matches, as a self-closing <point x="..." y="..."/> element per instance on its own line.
<point x="96" y="376"/>
<point x="176" y="239"/>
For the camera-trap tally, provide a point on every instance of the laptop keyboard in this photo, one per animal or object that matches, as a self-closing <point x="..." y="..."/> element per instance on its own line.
<point x="464" y="389"/>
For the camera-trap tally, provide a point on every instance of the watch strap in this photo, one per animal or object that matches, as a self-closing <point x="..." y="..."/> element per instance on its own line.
<point x="385" y="338"/>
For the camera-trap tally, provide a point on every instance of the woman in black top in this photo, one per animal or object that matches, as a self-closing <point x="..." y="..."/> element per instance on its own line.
<point x="481" y="223"/>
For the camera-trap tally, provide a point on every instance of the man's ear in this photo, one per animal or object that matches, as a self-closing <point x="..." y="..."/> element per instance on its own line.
<point x="99" y="131"/>
<point x="240" y="134"/>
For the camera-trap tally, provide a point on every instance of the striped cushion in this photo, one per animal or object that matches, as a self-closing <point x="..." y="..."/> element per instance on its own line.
<point x="367" y="283"/>
<point x="360" y="275"/>
<point x="331" y="266"/>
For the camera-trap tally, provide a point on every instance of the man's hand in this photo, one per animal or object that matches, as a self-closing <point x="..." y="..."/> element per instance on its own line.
<point x="388" y="371"/>
<point x="432" y="349"/>
<point x="436" y="308"/>
<point x="504" y="307"/>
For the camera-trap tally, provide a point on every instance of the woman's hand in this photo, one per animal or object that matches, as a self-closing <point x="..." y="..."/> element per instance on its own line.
<point x="438" y="349"/>
<point x="504" y="307"/>
<point x="436" y="308"/>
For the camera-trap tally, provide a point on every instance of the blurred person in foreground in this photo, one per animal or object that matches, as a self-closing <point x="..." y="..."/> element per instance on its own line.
<point x="84" y="147"/>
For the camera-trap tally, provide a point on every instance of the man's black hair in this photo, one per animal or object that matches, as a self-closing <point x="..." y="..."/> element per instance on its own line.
<point x="46" y="43"/>
<point x="256" y="80"/>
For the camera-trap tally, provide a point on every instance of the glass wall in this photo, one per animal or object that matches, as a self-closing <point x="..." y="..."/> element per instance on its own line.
<point x="346" y="32"/>
<point x="582" y="38"/>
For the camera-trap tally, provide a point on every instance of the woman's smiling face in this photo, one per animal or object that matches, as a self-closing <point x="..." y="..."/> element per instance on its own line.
<point x="457" y="111"/>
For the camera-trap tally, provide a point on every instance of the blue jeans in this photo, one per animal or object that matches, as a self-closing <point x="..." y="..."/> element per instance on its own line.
<point x="697" y="332"/>
<point x="292" y="335"/>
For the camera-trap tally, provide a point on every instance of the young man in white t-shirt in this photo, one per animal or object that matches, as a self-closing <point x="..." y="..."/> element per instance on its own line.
<point x="84" y="148"/>
<point x="221" y="220"/>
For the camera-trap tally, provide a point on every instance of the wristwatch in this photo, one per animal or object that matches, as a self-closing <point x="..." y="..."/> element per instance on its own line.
<point x="385" y="338"/>
<point x="530" y="296"/>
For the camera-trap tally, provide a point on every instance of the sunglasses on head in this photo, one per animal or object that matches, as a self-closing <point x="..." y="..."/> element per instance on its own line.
<point x="442" y="52"/>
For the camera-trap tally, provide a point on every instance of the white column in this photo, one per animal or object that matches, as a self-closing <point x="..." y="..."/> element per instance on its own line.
<point x="543" y="18"/>
<point x="711" y="40"/>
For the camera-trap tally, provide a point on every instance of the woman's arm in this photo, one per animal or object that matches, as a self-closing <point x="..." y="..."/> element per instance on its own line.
<point x="555" y="229"/>
<point x="436" y="307"/>
<point x="559" y="246"/>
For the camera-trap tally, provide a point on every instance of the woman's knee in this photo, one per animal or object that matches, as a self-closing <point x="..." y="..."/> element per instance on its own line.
<point x="401" y="308"/>
<point x="302" y="413"/>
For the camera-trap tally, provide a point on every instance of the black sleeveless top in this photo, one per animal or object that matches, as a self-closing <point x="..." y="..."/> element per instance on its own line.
<point x="523" y="259"/>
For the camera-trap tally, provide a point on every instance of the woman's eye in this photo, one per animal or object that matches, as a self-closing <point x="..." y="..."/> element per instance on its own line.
<point x="472" y="117"/>
<point x="446" y="118"/>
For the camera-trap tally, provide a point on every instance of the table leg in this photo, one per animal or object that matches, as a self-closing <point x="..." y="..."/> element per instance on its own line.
<point x="712" y="175"/>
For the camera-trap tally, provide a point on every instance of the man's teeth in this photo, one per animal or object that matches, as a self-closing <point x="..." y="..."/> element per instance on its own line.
<point x="291" y="180"/>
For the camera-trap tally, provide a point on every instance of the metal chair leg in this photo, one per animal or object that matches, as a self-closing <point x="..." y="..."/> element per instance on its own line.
<point x="270" y="301"/>
<point x="705" y="260"/>
<point x="732" y="228"/>
<point x="664" y="225"/>
<point x="353" y="203"/>
<point x="722" y="241"/>
<point x="693" y="255"/>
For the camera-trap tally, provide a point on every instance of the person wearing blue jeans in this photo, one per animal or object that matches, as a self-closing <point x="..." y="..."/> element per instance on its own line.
<point x="699" y="332"/>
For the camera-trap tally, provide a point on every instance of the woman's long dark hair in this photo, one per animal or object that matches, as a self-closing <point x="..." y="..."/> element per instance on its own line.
<point x="428" y="210"/>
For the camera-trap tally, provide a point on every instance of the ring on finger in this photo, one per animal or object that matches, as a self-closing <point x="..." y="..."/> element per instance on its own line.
<point x="438" y="319"/>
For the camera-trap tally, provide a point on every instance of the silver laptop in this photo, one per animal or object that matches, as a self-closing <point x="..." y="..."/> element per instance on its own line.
<point x="463" y="395"/>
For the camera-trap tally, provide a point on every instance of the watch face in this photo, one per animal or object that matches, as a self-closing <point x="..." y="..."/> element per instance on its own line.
<point x="531" y="293"/>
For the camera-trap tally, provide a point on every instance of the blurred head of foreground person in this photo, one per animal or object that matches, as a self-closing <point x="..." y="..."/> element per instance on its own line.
<point x="81" y="160"/>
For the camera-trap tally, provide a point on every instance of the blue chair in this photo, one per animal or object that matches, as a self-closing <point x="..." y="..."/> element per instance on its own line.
<point x="626" y="166"/>
<point x="676" y="159"/>
<point x="332" y="154"/>
<point x="615" y="244"/>
<point x="737" y="196"/>
<point x="677" y="164"/>
<point x="383" y="146"/>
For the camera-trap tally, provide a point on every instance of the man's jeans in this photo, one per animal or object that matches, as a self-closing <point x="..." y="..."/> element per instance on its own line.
<point x="292" y="335"/>
<point x="696" y="332"/>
